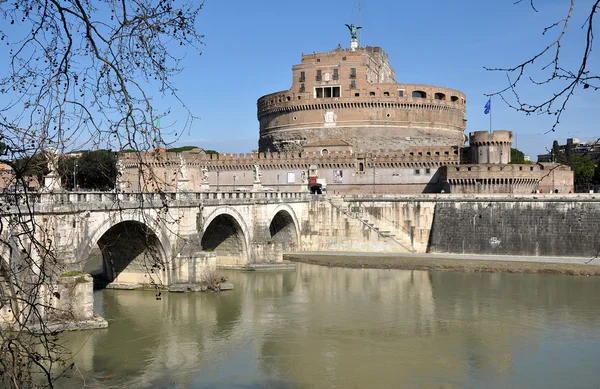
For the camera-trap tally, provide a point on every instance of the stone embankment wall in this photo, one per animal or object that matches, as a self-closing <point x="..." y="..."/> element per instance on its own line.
<point x="378" y="224"/>
<point x="531" y="226"/>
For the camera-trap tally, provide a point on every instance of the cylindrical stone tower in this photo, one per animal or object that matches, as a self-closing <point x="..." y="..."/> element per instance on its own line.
<point x="490" y="148"/>
<point x="352" y="95"/>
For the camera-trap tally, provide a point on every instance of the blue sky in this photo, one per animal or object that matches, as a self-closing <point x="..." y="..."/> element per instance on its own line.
<point x="252" y="45"/>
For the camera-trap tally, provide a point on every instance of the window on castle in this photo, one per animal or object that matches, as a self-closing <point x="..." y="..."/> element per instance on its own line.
<point x="318" y="59"/>
<point x="336" y="74"/>
<point x="417" y="171"/>
<point x="327" y="91"/>
<point x="302" y="88"/>
<point x="439" y="96"/>
<point x="419" y="94"/>
<point x="371" y="93"/>
<point x="427" y="171"/>
<point x="319" y="75"/>
<point x="343" y="58"/>
<point x="357" y="94"/>
<point x="302" y="76"/>
<point x="352" y="84"/>
<point x="352" y="72"/>
<point x="400" y="92"/>
<point x="361" y="167"/>
<point x="386" y="94"/>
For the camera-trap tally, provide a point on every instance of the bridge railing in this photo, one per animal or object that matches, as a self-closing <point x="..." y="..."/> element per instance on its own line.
<point x="153" y="198"/>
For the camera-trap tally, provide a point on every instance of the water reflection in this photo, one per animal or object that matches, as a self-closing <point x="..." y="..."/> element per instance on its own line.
<point x="345" y="328"/>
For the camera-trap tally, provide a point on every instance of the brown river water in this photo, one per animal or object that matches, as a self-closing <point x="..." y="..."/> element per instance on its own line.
<point x="319" y="327"/>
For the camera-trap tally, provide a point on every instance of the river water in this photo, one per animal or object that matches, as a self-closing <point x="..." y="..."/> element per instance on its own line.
<point x="319" y="327"/>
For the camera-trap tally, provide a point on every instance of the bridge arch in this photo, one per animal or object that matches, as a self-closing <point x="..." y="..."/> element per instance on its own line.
<point x="127" y="250"/>
<point x="284" y="227"/>
<point x="226" y="234"/>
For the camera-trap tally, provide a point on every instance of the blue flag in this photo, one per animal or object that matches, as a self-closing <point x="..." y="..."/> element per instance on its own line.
<point x="488" y="106"/>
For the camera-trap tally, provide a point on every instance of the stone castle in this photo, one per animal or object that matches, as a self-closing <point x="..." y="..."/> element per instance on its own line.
<point x="347" y="118"/>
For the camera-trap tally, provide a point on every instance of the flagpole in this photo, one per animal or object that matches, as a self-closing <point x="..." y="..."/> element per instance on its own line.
<point x="490" y="114"/>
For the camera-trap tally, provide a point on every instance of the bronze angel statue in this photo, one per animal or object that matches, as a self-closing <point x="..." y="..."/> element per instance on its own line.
<point x="353" y="30"/>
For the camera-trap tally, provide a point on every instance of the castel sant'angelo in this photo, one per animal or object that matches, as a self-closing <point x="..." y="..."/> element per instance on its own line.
<point x="347" y="121"/>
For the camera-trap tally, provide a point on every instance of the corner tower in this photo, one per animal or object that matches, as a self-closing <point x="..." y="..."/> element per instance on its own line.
<point x="352" y="95"/>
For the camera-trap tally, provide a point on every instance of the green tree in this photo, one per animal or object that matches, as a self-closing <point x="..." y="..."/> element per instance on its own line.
<point x="583" y="171"/>
<point x="557" y="154"/>
<point x="517" y="156"/>
<point x="94" y="170"/>
<point x="596" y="178"/>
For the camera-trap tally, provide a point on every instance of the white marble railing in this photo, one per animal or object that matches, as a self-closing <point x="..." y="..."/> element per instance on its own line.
<point x="104" y="198"/>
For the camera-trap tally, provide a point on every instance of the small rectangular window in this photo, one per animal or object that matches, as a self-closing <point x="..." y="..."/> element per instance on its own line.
<point x="318" y="59"/>
<point x="302" y="88"/>
<point x="352" y="84"/>
<point x="371" y="93"/>
<point x="427" y="171"/>
<point x="335" y="74"/>
<point x="417" y="171"/>
<point x="343" y="58"/>
<point x="400" y="92"/>
<point x="319" y="76"/>
<point x="357" y="94"/>
<point x="302" y="76"/>
<point x="352" y="72"/>
<point x="386" y="94"/>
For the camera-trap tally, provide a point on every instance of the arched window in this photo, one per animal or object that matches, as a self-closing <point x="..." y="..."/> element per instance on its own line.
<point x="439" y="96"/>
<point x="454" y="99"/>
<point x="419" y="94"/>
<point x="361" y="167"/>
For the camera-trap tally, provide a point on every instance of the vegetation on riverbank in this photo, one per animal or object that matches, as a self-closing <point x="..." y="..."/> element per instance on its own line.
<point x="442" y="264"/>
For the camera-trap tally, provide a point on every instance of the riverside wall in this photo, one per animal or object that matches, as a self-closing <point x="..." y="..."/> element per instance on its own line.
<point x="532" y="226"/>
<point x="527" y="225"/>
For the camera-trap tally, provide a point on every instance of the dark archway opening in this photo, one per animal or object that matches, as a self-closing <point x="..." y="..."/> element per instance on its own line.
<point x="225" y="238"/>
<point x="128" y="255"/>
<point x="283" y="231"/>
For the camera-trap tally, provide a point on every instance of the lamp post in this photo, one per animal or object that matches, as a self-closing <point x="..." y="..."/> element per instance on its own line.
<point x="75" y="177"/>
<point x="278" y="183"/>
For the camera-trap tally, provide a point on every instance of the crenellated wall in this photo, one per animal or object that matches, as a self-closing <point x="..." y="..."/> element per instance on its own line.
<point x="409" y="171"/>
<point x="492" y="147"/>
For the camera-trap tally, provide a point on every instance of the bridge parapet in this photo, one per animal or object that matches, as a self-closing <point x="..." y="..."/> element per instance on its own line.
<point x="44" y="202"/>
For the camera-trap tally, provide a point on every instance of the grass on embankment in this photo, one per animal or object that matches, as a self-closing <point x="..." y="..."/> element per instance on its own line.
<point x="443" y="264"/>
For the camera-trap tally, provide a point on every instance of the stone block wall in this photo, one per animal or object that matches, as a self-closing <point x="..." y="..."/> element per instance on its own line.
<point x="532" y="227"/>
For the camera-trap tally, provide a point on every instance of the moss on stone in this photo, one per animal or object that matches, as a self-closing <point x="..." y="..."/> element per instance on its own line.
<point x="73" y="273"/>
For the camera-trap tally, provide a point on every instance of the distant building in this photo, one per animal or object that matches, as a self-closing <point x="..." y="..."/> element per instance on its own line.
<point x="590" y="149"/>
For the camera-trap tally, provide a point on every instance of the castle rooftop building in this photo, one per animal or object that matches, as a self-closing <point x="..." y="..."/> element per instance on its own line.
<point x="352" y="95"/>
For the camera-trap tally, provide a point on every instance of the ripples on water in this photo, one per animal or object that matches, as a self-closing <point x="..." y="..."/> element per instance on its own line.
<point x="320" y="327"/>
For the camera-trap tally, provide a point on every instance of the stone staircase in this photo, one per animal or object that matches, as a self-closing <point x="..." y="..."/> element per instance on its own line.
<point x="340" y="205"/>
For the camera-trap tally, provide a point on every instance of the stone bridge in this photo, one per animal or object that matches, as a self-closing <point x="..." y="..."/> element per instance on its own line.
<point x="129" y="239"/>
